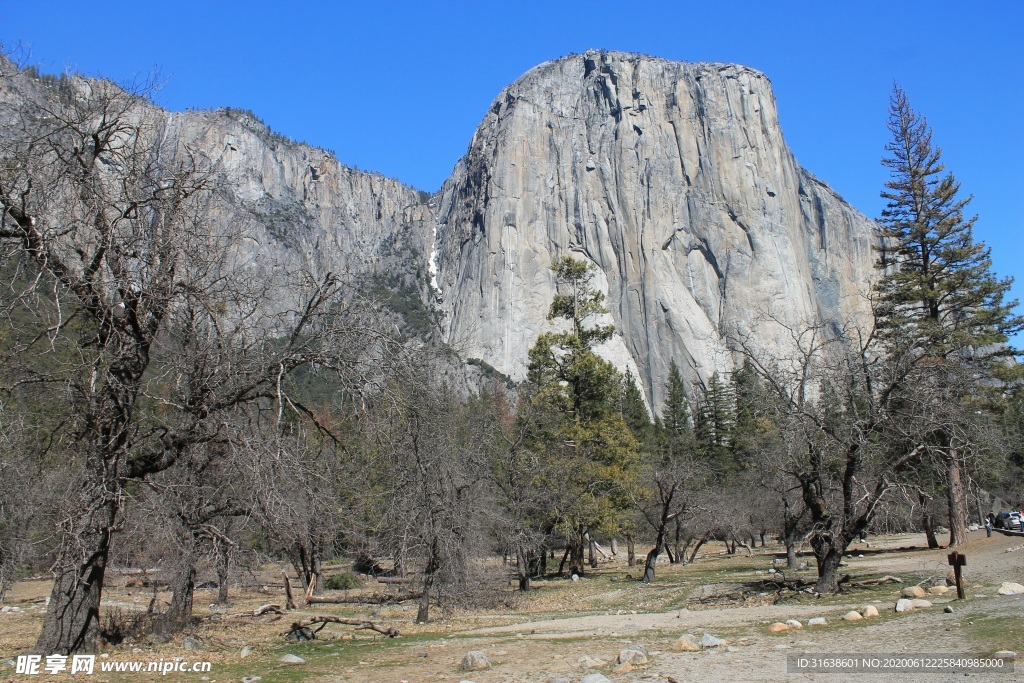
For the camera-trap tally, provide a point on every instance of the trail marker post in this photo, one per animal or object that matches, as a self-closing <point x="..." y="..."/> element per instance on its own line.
<point x="956" y="561"/>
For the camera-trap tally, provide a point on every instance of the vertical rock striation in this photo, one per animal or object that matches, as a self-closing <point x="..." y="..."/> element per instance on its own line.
<point x="674" y="180"/>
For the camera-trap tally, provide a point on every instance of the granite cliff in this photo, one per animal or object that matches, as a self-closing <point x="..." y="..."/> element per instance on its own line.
<point x="675" y="181"/>
<point x="672" y="179"/>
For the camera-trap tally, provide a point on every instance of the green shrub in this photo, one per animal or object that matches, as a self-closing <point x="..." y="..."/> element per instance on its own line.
<point x="342" y="582"/>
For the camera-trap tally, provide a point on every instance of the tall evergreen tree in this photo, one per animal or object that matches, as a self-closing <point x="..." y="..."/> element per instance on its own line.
<point x="676" y="412"/>
<point x="939" y="293"/>
<point x="593" y="451"/>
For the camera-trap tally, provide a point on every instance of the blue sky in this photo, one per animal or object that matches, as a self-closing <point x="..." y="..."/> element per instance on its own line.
<point x="400" y="87"/>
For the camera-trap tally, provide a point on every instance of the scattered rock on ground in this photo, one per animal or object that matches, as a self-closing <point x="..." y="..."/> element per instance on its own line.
<point x="913" y="592"/>
<point x="938" y="590"/>
<point x="852" y="616"/>
<point x="1011" y="588"/>
<point x="1008" y="655"/>
<point x="920" y="604"/>
<point x="708" y="640"/>
<point x="192" y="643"/>
<point x="251" y="679"/>
<point x="588" y="662"/>
<point x="904" y="605"/>
<point x="291" y="659"/>
<point x="868" y="611"/>
<point x="793" y="623"/>
<point x="245" y="652"/>
<point x="634" y="654"/>
<point x="474" y="660"/>
<point x="595" y="678"/>
<point x="777" y="627"/>
<point x="687" y="643"/>
<point x="817" y="621"/>
<point x="948" y="610"/>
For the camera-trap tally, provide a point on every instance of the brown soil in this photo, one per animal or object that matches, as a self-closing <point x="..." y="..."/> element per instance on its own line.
<point x="543" y="635"/>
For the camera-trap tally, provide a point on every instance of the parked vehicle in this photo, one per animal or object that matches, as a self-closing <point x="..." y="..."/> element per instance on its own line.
<point x="1011" y="521"/>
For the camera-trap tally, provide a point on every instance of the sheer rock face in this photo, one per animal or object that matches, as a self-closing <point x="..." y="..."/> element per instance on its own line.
<point x="674" y="180"/>
<point x="302" y="206"/>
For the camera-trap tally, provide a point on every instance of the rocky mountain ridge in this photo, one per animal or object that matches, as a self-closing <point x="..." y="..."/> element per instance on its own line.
<point x="672" y="179"/>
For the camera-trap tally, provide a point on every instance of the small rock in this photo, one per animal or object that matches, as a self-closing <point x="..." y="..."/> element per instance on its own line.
<point x="868" y="611"/>
<point x="948" y="609"/>
<point x="920" y="604"/>
<point x="938" y="590"/>
<point x="588" y="662"/>
<point x="794" y="624"/>
<point x="245" y="652"/>
<point x="904" y="605"/>
<point x="633" y="655"/>
<point x="1011" y="588"/>
<point x="575" y="577"/>
<point x="1006" y="655"/>
<point x="595" y="678"/>
<point x="687" y="643"/>
<point x="251" y="679"/>
<point x="782" y="646"/>
<point x="474" y="660"/>
<point x="623" y="668"/>
<point x="912" y="592"/>
<point x="709" y="640"/>
<point x="777" y="627"/>
<point x="560" y="680"/>
<point x="291" y="659"/>
<point x="817" y="621"/>
<point x="192" y="643"/>
<point x="853" y="616"/>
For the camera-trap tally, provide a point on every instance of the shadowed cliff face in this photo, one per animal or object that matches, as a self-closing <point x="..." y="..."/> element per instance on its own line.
<point x="675" y="181"/>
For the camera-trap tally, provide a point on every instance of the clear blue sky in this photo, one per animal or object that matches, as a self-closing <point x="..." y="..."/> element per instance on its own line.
<point x="400" y="87"/>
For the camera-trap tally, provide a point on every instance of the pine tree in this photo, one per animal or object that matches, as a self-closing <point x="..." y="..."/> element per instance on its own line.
<point x="593" y="452"/>
<point x="676" y="413"/>
<point x="939" y="295"/>
<point x="940" y="291"/>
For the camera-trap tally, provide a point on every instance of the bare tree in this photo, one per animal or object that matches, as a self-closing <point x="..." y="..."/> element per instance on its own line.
<point x="841" y="406"/>
<point x="143" y="314"/>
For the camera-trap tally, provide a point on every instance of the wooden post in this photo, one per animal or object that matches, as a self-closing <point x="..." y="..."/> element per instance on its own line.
<point x="956" y="561"/>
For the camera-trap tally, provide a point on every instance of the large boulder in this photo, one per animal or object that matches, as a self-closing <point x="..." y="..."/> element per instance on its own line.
<point x="913" y="592"/>
<point x="474" y="660"/>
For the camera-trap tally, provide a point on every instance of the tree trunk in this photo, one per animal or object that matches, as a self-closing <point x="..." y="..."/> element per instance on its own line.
<point x="630" y="550"/>
<point x="928" y="522"/>
<point x="828" y="569"/>
<point x="523" y="568"/>
<point x="701" y="542"/>
<point x="72" y="617"/>
<point x="592" y="551"/>
<point x="223" y="571"/>
<point x="576" y="556"/>
<point x="433" y="563"/>
<point x="182" y="591"/>
<point x="956" y="499"/>
<point x="615" y="547"/>
<point x="791" y="554"/>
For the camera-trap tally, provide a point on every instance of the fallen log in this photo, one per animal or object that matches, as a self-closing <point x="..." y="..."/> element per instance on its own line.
<point x="258" y="612"/>
<point x="394" y="579"/>
<point x="360" y="624"/>
<point x="376" y="599"/>
<point x="875" y="582"/>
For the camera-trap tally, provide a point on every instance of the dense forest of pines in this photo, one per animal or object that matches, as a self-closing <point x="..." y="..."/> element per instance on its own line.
<point x="159" y="406"/>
